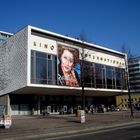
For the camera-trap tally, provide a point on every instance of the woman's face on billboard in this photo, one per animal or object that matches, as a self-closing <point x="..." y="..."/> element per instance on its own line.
<point x="67" y="61"/>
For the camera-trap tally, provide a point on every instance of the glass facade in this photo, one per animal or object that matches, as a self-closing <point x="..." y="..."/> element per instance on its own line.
<point x="44" y="71"/>
<point x="102" y="76"/>
<point x="43" y="68"/>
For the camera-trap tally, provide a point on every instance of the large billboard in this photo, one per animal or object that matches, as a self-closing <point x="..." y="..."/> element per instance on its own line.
<point x="68" y="66"/>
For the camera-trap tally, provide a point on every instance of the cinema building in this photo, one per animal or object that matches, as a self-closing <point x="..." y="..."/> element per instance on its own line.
<point x="31" y="77"/>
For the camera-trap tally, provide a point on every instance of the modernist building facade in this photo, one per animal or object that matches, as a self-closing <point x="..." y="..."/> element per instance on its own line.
<point x="134" y="74"/>
<point x="122" y="101"/>
<point x="34" y="66"/>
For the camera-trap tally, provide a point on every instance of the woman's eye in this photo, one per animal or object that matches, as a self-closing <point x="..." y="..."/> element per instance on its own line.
<point x="71" y="60"/>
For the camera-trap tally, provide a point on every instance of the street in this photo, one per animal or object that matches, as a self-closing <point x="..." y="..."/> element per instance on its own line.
<point x="99" y="126"/>
<point x="131" y="132"/>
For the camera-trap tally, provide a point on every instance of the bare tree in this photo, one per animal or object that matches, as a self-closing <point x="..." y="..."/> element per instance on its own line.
<point x="83" y="38"/>
<point x="125" y="49"/>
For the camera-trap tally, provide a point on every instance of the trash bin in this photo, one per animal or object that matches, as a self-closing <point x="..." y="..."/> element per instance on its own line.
<point x="82" y="115"/>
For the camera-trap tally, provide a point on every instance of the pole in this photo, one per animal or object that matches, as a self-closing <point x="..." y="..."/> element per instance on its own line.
<point x="83" y="97"/>
<point x="82" y="80"/>
<point x="130" y="103"/>
<point x="128" y="86"/>
<point x="82" y="112"/>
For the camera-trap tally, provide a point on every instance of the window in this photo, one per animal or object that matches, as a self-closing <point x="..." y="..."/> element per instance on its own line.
<point x="43" y="68"/>
<point x="98" y="75"/>
<point x="49" y="71"/>
<point x="87" y="74"/>
<point x="113" y="78"/>
<point x="118" y="78"/>
<point x="103" y="76"/>
<point x="92" y="67"/>
<point x="109" y="76"/>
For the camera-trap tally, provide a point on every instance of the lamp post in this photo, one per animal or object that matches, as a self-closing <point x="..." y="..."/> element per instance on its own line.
<point x="82" y="80"/>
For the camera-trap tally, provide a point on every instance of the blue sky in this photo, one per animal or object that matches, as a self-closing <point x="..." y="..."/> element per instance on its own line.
<point x="109" y="23"/>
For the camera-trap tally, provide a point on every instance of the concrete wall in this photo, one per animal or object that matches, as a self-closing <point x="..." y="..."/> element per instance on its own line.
<point x="5" y="100"/>
<point x="13" y="62"/>
<point x="122" y="101"/>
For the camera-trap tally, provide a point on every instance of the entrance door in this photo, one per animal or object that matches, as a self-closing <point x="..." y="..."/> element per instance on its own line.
<point x="54" y="109"/>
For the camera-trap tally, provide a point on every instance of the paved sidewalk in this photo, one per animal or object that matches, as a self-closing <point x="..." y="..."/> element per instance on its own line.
<point x="30" y="127"/>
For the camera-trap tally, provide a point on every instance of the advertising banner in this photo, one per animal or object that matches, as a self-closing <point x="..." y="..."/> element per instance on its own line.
<point x="68" y="66"/>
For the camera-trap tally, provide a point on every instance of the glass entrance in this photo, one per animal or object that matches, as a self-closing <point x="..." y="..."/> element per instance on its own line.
<point x="54" y="108"/>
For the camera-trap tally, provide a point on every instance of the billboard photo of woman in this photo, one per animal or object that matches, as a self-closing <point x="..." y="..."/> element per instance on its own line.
<point x="68" y="66"/>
